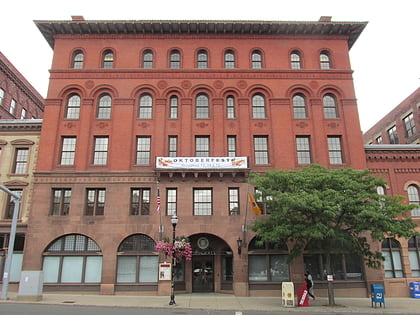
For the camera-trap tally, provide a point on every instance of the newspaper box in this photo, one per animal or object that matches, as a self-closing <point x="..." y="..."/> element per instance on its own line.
<point x="287" y="294"/>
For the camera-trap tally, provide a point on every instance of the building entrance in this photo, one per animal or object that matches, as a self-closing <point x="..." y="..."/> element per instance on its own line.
<point x="203" y="273"/>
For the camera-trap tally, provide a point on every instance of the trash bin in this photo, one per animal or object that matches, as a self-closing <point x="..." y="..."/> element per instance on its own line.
<point x="415" y="290"/>
<point x="287" y="294"/>
<point x="303" y="299"/>
<point x="378" y="294"/>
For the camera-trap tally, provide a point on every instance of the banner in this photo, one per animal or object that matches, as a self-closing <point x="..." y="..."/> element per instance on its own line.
<point x="202" y="162"/>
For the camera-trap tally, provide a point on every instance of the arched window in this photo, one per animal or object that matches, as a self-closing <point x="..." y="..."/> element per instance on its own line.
<point x="324" y="60"/>
<point x="299" y="106"/>
<point x="391" y="250"/>
<point x="256" y="59"/>
<point x="108" y="60"/>
<point x="230" y="107"/>
<point x="202" y="106"/>
<point x="137" y="260"/>
<point x="202" y="59"/>
<point x="175" y="60"/>
<point x="145" y="106"/>
<point x="414" y="255"/>
<point x="413" y="199"/>
<point x="173" y="107"/>
<point x="78" y="59"/>
<point x="295" y="62"/>
<point x="258" y="106"/>
<point x="330" y="106"/>
<point x="73" y="258"/>
<point x="229" y="59"/>
<point x="104" y="107"/>
<point x="147" y="59"/>
<point x="73" y="107"/>
<point x="268" y="261"/>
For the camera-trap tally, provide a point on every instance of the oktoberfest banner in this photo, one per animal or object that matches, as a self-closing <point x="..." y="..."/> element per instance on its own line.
<point x="202" y="162"/>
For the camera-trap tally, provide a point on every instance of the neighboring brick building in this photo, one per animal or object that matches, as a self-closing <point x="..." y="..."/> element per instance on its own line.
<point x="187" y="109"/>
<point x="18" y="98"/>
<point x="399" y="126"/>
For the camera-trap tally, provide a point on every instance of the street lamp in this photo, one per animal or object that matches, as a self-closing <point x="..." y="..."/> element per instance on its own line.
<point x="174" y="221"/>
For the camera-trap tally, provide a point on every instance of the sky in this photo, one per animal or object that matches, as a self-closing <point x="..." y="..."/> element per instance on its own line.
<point x="385" y="58"/>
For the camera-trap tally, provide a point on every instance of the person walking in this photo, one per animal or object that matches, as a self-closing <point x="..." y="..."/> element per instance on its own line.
<point x="309" y="284"/>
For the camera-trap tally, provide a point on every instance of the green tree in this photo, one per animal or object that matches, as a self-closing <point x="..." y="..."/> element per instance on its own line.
<point x="329" y="207"/>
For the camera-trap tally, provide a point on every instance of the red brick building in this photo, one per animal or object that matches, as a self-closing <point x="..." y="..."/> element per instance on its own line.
<point x="185" y="109"/>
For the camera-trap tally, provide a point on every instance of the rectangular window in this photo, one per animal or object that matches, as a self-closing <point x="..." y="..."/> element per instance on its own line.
<point x="173" y="108"/>
<point x="12" y="107"/>
<point x="68" y="149"/>
<point x="60" y="202"/>
<point x="23" y="114"/>
<point x="261" y="149"/>
<point x="410" y="127"/>
<point x="231" y="146"/>
<point x="393" y="135"/>
<point x="203" y="201"/>
<point x="171" y="201"/>
<point x="378" y="140"/>
<point x="143" y="150"/>
<point x="173" y="146"/>
<point x="21" y="161"/>
<point x="1" y="96"/>
<point x="335" y="150"/>
<point x="140" y="201"/>
<point x="202" y="146"/>
<point x="95" y="201"/>
<point x="8" y="214"/>
<point x="100" y="153"/>
<point x="303" y="150"/>
<point x="233" y="201"/>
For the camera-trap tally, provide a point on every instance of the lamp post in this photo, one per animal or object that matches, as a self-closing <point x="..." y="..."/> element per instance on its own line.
<point x="174" y="221"/>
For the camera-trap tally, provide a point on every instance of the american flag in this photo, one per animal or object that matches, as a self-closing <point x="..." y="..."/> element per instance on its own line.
<point x="158" y="201"/>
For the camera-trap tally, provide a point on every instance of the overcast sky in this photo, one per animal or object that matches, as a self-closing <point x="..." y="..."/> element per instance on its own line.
<point x="385" y="58"/>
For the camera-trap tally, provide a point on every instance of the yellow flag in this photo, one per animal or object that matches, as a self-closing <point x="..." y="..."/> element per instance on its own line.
<point x="254" y="205"/>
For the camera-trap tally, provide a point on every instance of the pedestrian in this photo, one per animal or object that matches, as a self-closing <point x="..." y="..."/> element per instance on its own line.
<point x="309" y="284"/>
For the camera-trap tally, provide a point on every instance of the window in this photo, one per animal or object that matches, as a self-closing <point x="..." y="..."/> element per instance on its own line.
<point x="229" y="59"/>
<point x="414" y="255"/>
<point x="202" y="59"/>
<point x="391" y="250"/>
<point x="73" y="107"/>
<point x="23" y="114"/>
<point x="140" y="201"/>
<point x="60" y="204"/>
<point x="303" y="150"/>
<point x="100" y="153"/>
<point x="334" y="150"/>
<point x="147" y="59"/>
<point x="203" y="201"/>
<point x="202" y="106"/>
<point x="231" y="146"/>
<point x="380" y="190"/>
<point x="258" y="106"/>
<point x="171" y="201"/>
<point x="379" y="140"/>
<point x="202" y="146"/>
<point x="261" y="150"/>
<point x="393" y="135"/>
<point x="8" y="215"/>
<point x="145" y="106"/>
<point x="1" y="96"/>
<point x="268" y="262"/>
<point x="143" y="150"/>
<point x="230" y="107"/>
<point x="324" y="60"/>
<point x="68" y="149"/>
<point x="173" y="107"/>
<point x="137" y="261"/>
<point x="73" y="258"/>
<point x="256" y="59"/>
<point x="95" y="201"/>
<point x="299" y="106"/>
<point x="78" y="59"/>
<point x="330" y="107"/>
<point x="173" y="146"/>
<point x="108" y="60"/>
<point x="12" y="107"/>
<point x="21" y="161"/>
<point x="233" y="201"/>
<point x="413" y="199"/>
<point x="410" y="127"/>
<point x="104" y="107"/>
<point x="175" y="60"/>
<point x="295" y="62"/>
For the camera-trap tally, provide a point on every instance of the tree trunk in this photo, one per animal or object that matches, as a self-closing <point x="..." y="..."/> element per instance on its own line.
<point x="331" y="300"/>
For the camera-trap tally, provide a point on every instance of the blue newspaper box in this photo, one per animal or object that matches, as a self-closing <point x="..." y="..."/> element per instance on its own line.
<point x="378" y="294"/>
<point x="415" y="290"/>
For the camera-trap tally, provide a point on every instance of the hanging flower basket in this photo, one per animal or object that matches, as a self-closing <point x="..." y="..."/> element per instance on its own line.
<point x="179" y="250"/>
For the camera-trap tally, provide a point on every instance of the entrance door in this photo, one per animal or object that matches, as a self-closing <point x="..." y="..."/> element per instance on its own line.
<point x="203" y="273"/>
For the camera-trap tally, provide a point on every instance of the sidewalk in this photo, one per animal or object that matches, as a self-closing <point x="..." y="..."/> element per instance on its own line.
<point x="215" y="301"/>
